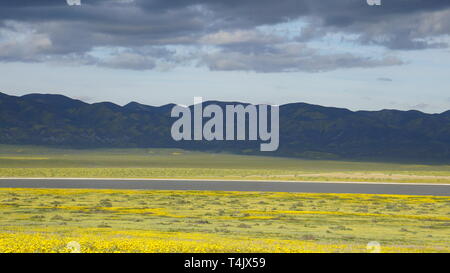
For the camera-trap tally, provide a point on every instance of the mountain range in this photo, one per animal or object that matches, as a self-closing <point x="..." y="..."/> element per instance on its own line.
<point x="306" y="131"/>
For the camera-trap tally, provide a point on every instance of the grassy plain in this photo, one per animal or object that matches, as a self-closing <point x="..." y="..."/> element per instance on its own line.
<point x="30" y="161"/>
<point x="37" y="220"/>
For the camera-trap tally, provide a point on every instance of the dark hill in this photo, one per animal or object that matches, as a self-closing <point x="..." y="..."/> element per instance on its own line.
<point x="306" y="130"/>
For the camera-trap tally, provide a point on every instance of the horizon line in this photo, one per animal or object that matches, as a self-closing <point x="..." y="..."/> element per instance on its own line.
<point x="223" y="101"/>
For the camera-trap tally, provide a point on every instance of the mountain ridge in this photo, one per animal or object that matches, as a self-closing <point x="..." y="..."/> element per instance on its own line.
<point x="447" y="112"/>
<point x="306" y="130"/>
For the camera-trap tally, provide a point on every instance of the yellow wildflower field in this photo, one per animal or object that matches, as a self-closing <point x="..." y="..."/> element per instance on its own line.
<point x="62" y="220"/>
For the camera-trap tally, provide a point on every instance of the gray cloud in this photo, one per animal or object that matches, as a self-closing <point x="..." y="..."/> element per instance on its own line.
<point x="288" y="58"/>
<point x="384" y="79"/>
<point x="129" y="61"/>
<point x="421" y="106"/>
<point x="49" y="30"/>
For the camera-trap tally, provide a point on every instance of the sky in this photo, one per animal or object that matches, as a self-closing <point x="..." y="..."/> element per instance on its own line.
<point x="333" y="53"/>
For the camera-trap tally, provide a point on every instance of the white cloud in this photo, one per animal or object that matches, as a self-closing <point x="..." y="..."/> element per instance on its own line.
<point x="18" y="43"/>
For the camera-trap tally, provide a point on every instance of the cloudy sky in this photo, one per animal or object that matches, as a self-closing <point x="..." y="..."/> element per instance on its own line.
<point x="335" y="53"/>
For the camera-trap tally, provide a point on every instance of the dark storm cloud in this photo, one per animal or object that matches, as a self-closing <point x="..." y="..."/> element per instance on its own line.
<point x="269" y="11"/>
<point x="30" y="3"/>
<point x="55" y="30"/>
